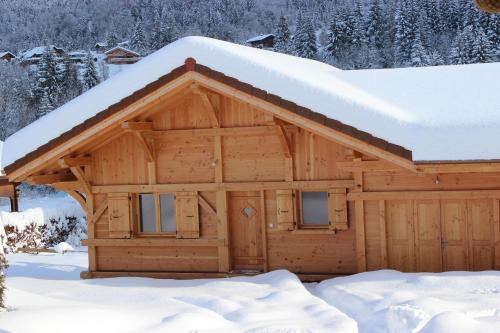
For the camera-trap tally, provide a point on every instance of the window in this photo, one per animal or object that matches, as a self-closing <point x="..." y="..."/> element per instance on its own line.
<point x="148" y="213"/>
<point x="157" y="213"/>
<point x="167" y="208"/>
<point x="314" y="207"/>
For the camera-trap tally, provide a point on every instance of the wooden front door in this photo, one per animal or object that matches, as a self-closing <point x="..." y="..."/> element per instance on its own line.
<point x="245" y="229"/>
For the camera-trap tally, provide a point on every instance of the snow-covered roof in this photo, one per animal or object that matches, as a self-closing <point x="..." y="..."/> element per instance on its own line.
<point x="101" y="44"/>
<point x="38" y="51"/>
<point x="123" y="49"/>
<point x="440" y="113"/>
<point x="3" y="54"/>
<point x="259" y="38"/>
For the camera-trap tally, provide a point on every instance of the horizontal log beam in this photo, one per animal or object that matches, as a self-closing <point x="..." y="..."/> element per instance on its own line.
<point x="413" y="195"/>
<point x="50" y="178"/>
<point x="156" y="241"/>
<point x="458" y="167"/>
<point x="368" y="166"/>
<point x="245" y="186"/>
<point x="68" y="162"/>
<point x="68" y="186"/>
<point x="208" y="132"/>
<point x="140" y="126"/>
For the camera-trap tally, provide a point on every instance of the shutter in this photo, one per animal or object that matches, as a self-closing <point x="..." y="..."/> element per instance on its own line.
<point x="285" y="209"/>
<point x="186" y="215"/>
<point x="337" y="209"/>
<point x="119" y="215"/>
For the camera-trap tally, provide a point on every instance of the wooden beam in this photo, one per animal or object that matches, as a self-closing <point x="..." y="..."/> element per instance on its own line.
<point x="223" y="231"/>
<point x="68" y="186"/>
<point x="283" y="141"/>
<point x="218" y="160"/>
<point x="68" y="162"/>
<point x="435" y="195"/>
<point x="79" y="198"/>
<point x="50" y="178"/>
<point x="212" y="113"/>
<point x="368" y="166"/>
<point x="99" y="211"/>
<point x="79" y="174"/>
<point x="241" y="186"/>
<point x="140" y="126"/>
<point x="164" y="241"/>
<point x="205" y="204"/>
<point x="383" y="235"/>
<point x="264" y="230"/>
<point x="458" y="167"/>
<point x="147" y="147"/>
<point x="210" y="132"/>
<point x="496" y="233"/>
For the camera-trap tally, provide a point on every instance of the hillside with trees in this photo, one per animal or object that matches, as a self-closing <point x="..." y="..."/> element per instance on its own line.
<point x="347" y="34"/>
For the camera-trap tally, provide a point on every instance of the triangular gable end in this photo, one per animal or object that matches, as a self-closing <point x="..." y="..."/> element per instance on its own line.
<point x="228" y="86"/>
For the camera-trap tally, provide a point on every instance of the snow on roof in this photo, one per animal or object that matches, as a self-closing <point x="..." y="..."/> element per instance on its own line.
<point x="38" y="51"/>
<point x="440" y="113"/>
<point x="121" y="48"/>
<point x="258" y="38"/>
<point x="3" y="54"/>
<point x="101" y="44"/>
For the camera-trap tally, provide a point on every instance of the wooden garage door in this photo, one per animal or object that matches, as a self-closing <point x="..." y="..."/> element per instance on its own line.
<point x="400" y="239"/>
<point x="481" y="232"/>
<point x="454" y="234"/>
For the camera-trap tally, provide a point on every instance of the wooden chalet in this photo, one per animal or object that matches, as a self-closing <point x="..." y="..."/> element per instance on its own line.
<point x="119" y="55"/>
<point x="200" y="174"/>
<point x="7" y="56"/>
<point x="262" y="41"/>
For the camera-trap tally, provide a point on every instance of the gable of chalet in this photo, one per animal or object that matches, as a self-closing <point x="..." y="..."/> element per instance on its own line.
<point x="288" y="111"/>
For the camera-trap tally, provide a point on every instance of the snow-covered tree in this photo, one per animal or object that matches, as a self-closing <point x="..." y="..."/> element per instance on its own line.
<point x="69" y="83"/>
<point x="3" y="266"/>
<point x="304" y="40"/>
<point x="47" y="76"/>
<point x="90" y="77"/>
<point x="111" y="39"/>
<point x="462" y="51"/>
<point x="482" y="50"/>
<point x="138" y="40"/>
<point x="404" y="31"/>
<point x="45" y="105"/>
<point x="282" y="37"/>
<point x="419" y="54"/>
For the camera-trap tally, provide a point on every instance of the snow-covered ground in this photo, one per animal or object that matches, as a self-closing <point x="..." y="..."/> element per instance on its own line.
<point x="45" y="294"/>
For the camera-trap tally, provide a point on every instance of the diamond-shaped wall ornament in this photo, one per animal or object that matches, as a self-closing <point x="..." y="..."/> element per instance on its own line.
<point x="248" y="211"/>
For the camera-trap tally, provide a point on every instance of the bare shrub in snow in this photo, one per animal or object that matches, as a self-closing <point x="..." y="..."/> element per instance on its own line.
<point x="3" y="266"/>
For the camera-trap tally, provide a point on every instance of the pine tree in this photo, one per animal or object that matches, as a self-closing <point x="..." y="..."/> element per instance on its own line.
<point x="282" y="36"/>
<point x="70" y="85"/>
<point x="170" y="33"/>
<point x="375" y="33"/>
<point x="138" y="41"/>
<point x="482" y="50"/>
<point x="47" y="76"/>
<point x="419" y="55"/>
<point x="90" y="77"/>
<point x="304" y="40"/>
<point x="111" y="39"/>
<point x="45" y="105"/>
<point x="405" y="31"/>
<point x="157" y="34"/>
<point x="462" y="51"/>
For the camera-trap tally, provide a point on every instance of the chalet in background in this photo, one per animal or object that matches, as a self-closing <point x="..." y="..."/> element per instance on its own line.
<point x="120" y="55"/>
<point x="101" y="47"/>
<point x="7" y="56"/>
<point x="210" y="159"/>
<point x="262" y="41"/>
<point x="34" y="55"/>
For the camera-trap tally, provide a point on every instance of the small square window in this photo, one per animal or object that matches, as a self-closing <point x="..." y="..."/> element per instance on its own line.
<point x="314" y="209"/>
<point x="167" y="207"/>
<point x="148" y="213"/>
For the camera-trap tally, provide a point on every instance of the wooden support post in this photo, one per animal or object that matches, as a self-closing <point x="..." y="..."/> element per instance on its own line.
<point x="212" y="113"/>
<point x="14" y="200"/>
<point x="264" y="229"/>
<point x="359" y="212"/>
<point x="223" y="231"/>
<point x="383" y="235"/>
<point x="219" y="177"/>
<point x="496" y="228"/>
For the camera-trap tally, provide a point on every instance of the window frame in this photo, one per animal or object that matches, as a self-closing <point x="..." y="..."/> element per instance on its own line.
<point x="157" y="205"/>
<point x="304" y="226"/>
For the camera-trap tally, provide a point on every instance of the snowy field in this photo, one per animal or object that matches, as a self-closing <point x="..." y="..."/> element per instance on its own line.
<point x="45" y="294"/>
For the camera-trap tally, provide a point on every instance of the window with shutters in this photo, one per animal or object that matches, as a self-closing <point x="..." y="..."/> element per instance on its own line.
<point x="157" y="214"/>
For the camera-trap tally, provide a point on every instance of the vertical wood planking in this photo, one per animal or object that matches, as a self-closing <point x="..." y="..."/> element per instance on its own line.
<point x="223" y="231"/>
<point x="383" y="235"/>
<point x="359" y="212"/>
<point x="219" y="178"/>
<point x="264" y="229"/>
<point x="496" y="220"/>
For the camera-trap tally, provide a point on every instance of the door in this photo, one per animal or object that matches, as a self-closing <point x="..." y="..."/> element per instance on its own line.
<point x="454" y="235"/>
<point x="400" y="238"/>
<point x="428" y="235"/>
<point x="245" y="229"/>
<point x="480" y="223"/>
